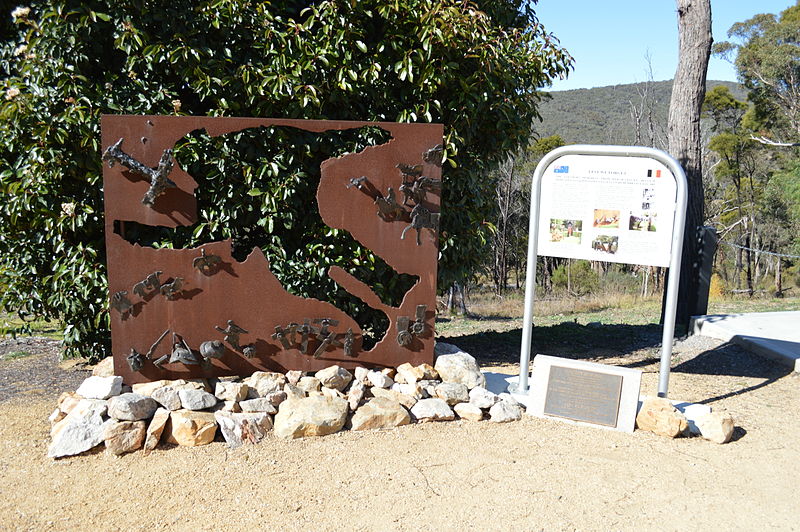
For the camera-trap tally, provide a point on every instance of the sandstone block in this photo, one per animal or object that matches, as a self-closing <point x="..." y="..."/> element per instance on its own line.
<point x="380" y="413"/>
<point x="657" y="415"/>
<point x="293" y="392"/>
<point x="310" y="416"/>
<point x="405" y="400"/>
<point x="155" y="429"/>
<point x="468" y="411"/>
<point x="294" y="376"/>
<point x="334" y="377"/>
<point x="261" y="383"/>
<point x="147" y="388"/>
<point x="428" y="372"/>
<point x="309" y="384"/>
<point x="104" y="368"/>
<point x="124" y="436"/>
<point x="190" y="428"/>
<point x="409" y="373"/>
<point x="231" y="391"/>
<point x="355" y="394"/>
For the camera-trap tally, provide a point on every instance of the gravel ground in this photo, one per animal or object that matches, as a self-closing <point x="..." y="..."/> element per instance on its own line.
<point x="32" y="366"/>
<point x="532" y="474"/>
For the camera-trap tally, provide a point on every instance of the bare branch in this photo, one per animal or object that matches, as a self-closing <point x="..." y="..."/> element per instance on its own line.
<point x="768" y="142"/>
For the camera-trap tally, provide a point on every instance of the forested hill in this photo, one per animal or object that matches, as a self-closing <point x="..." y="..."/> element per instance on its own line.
<point x="602" y="115"/>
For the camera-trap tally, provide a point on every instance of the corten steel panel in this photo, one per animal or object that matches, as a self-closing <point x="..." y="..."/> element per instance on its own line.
<point x="247" y="292"/>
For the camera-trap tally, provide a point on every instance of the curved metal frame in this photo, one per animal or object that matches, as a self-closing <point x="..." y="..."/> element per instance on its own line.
<point x="675" y="255"/>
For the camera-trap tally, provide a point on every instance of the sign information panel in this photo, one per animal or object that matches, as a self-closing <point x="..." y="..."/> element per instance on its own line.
<point x="607" y="208"/>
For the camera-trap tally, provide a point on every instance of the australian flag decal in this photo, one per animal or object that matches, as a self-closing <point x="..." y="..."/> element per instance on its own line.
<point x="561" y="170"/>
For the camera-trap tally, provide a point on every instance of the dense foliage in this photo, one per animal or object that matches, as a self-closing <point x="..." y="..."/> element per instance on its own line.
<point x="67" y="62"/>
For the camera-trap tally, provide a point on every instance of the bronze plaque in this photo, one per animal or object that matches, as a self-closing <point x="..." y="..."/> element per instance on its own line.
<point x="582" y="395"/>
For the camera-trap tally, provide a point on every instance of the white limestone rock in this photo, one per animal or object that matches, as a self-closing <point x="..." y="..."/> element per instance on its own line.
<point x="716" y="426"/>
<point x="380" y="413"/>
<point x="262" y="404"/>
<point x="379" y="379"/>
<point x="100" y="387"/>
<point x="433" y="409"/>
<point x="458" y="367"/>
<point x="360" y="374"/>
<point x="409" y="373"/>
<point x="331" y="392"/>
<point x="238" y="429"/>
<point x="262" y="383"/>
<point x="414" y="390"/>
<point x="505" y="411"/>
<point x="483" y="398"/>
<point x="335" y="377"/>
<point x="81" y="430"/>
<point x="452" y="393"/>
<point x="196" y="399"/>
<point x="311" y="416"/>
<point x="167" y="396"/>
<point x="131" y="407"/>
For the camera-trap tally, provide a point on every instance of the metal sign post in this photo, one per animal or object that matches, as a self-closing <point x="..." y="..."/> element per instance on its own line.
<point x="634" y="155"/>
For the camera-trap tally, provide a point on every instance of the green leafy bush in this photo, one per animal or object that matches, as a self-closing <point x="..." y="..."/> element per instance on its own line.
<point x="576" y="276"/>
<point x="69" y="61"/>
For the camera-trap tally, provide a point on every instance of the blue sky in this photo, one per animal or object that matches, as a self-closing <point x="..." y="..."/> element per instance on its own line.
<point x="610" y="39"/>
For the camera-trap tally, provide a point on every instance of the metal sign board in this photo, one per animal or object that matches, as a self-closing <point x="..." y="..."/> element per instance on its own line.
<point x="612" y="203"/>
<point x="606" y="208"/>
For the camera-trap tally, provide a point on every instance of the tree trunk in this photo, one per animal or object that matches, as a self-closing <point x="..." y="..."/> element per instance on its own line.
<point x="778" y="280"/>
<point x="685" y="143"/>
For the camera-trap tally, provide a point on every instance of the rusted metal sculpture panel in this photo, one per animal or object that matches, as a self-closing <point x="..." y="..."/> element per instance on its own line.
<point x="186" y="313"/>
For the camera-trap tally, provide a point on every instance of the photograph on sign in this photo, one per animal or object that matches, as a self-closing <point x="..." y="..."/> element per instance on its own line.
<point x="598" y="207"/>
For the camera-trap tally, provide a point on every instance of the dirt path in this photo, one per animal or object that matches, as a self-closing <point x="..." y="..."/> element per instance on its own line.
<point x="533" y="474"/>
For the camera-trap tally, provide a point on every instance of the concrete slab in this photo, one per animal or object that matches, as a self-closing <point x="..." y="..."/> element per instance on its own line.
<point x="773" y="335"/>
